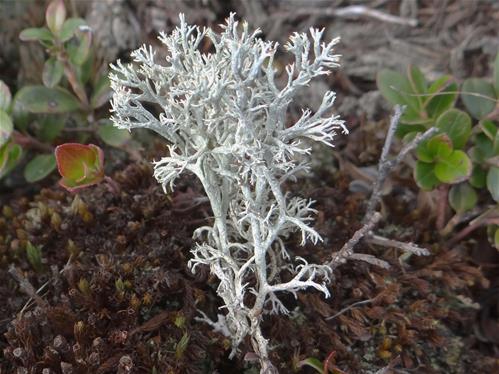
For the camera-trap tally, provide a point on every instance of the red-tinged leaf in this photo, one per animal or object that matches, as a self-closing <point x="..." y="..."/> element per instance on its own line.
<point x="80" y="165"/>
<point x="55" y="15"/>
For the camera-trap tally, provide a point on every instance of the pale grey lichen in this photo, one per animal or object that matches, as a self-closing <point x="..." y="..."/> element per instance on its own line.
<point x="225" y="118"/>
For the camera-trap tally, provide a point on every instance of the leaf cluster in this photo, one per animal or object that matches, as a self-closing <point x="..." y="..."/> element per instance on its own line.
<point x="67" y="106"/>
<point x="464" y="153"/>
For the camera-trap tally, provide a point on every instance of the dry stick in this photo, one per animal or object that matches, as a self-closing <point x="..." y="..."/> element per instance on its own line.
<point x="346" y="251"/>
<point x="406" y="247"/>
<point x="359" y="10"/>
<point x="35" y="296"/>
<point x="26" y="286"/>
<point x="385" y="165"/>
<point x="372" y="217"/>
<point x="346" y="309"/>
<point x="469" y="229"/>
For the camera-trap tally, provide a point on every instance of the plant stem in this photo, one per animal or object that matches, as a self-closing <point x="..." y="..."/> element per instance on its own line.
<point x="27" y="141"/>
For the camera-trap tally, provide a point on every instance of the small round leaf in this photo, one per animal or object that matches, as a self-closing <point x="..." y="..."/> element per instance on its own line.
<point x="424" y="176"/>
<point x="41" y="99"/>
<point x="478" y="96"/>
<point x="113" y="136"/>
<point x="453" y="169"/>
<point x="462" y="197"/>
<point x="457" y="125"/>
<point x="493" y="182"/>
<point x="39" y="167"/>
<point x="443" y="93"/>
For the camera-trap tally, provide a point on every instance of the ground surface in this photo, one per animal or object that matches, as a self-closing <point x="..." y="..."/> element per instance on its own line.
<point x="116" y="295"/>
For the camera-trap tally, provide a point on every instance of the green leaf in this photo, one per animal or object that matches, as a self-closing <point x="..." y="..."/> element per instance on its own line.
<point x="396" y="88"/>
<point x="51" y="126"/>
<point x="80" y="54"/>
<point x="462" y="197"/>
<point x="403" y="129"/>
<point x="478" y="96"/>
<point x="55" y="15"/>
<point x="496" y="74"/>
<point x="478" y="177"/>
<point x="496" y="239"/>
<point x="443" y="94"/>
<point x="6" y="127"/>
<point x="5" y="96"/>
<point x="40" y="99"/>
<point x="10" y="154"/>
<point x="457" y="125"/>
<point x="36" y="34"/>
<point x="418" y="83"/>
<point x="34" y="255"/>
<point x="112" y="135"/>
<point x="453" y="169"/>
<point x="483" y="149"/>
<point x="102" y="92"/>
<point x="424" y="176"/>
<point x="434" y="149"/>
<point x="53" y="71"/>
<point x="489" y="128"/>
<point x="312" y="362"/>
<point x="493" y="182"/>
<point x="85" y="71"/>
<point x="39" y="167"/>
<point x="69" y="28"/>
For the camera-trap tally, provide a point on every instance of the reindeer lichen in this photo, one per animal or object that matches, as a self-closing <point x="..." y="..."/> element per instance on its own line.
<point x="225" y="118"/>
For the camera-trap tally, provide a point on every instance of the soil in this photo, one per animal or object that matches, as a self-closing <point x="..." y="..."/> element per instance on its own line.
<point x="113" y="292"/>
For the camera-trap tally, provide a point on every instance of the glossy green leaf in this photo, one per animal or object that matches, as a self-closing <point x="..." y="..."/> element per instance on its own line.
<point x="102" y="92"/>
<point x="443" y="94"/>
<point x="10" y="154"/>
<point x="493" y="182"/>
<point x="55" y="15"/>
<point x="40" y="99"/>
<point x="112" y="135"/>
<point x="69" y="28"/>
<point x="6" y="127"/>
<point x="462" y="197"/>
<point x="5" y="96"/>
<point x="496" y="74"/>
<point x="478" y="96"/>
<point x="478" y="177"/>
<point x="453" y="169"/>
<point x="80" y="165"/>
<point x="396" y="88"/>
<point x="457" y="125"/>
<point x="438" y="147"/>
<point x="424" y="176"/>
<point x="36" y="34"/>
<point x="39" y="167"/>
<point x="53" y="70"/>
